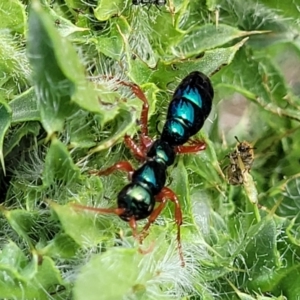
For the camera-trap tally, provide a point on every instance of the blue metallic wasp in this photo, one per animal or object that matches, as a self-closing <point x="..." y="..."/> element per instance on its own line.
<point x="188" y="109"/>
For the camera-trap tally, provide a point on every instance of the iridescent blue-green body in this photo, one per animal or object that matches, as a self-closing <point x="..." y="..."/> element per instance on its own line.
<point x="138" y="197"/>
<point x="189" y="108"/>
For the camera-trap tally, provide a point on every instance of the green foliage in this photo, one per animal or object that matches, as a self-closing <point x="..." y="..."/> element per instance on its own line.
<point x="64" y="111"/>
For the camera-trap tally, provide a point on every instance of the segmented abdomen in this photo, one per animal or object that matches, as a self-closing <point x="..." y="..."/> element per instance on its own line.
<point x="189" y="108"/>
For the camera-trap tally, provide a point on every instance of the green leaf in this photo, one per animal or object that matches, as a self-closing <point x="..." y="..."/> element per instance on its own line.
<point x="261" y="244"/>
<point x="48" y="277"/>
<point x="13" y="16"/>
<point x="260" y="256"/>
<point x="179" y="179"/>
<point x="5" y="120"/>
<point x="81" y="226"/>
<point x="21" y="221"/>
<point x="289" y="9"/>
<point x="53" y="88"/>
<point x="289" y="285"/>
<point x="121" y="269"/>
<point x="213" y="175"/>
<point x="62" y="246"/>
<point x="107" y="9"/>
<point x="212" y="61"/>
<point x="59" y="165"/>
<point x="24" y="107"/>
<point x="12" y="259"/>
<point x="22" y="279"/>
<point x="200" y="39"/>
<point x="31" y="128"/>
<point x="262" y="83"/>
<point x="63" y="25"/>
<point x="126" y="122"/>
<point x="60" y="85"/>
<point x="14" y="65"/>
<point x="112" y="44"/>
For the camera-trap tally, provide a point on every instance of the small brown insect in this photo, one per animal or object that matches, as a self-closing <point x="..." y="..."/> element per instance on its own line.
<point x="241" y="160"/>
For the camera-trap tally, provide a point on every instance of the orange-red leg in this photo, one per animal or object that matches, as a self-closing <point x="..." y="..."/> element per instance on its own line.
<point x="162" y="197"/>
<point x="116" y="211"/>
<point x="193" y="147"/>
<point x="145" y="109"/>
<point x="151" y="219"/>
<point x="121" y="165"/>
<point x="140" y="151"/>
<point x="133" y="225"/>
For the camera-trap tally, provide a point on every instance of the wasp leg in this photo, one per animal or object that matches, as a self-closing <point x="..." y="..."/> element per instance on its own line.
<point x="162" y="197"/>
<point x="193" y="147"/>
